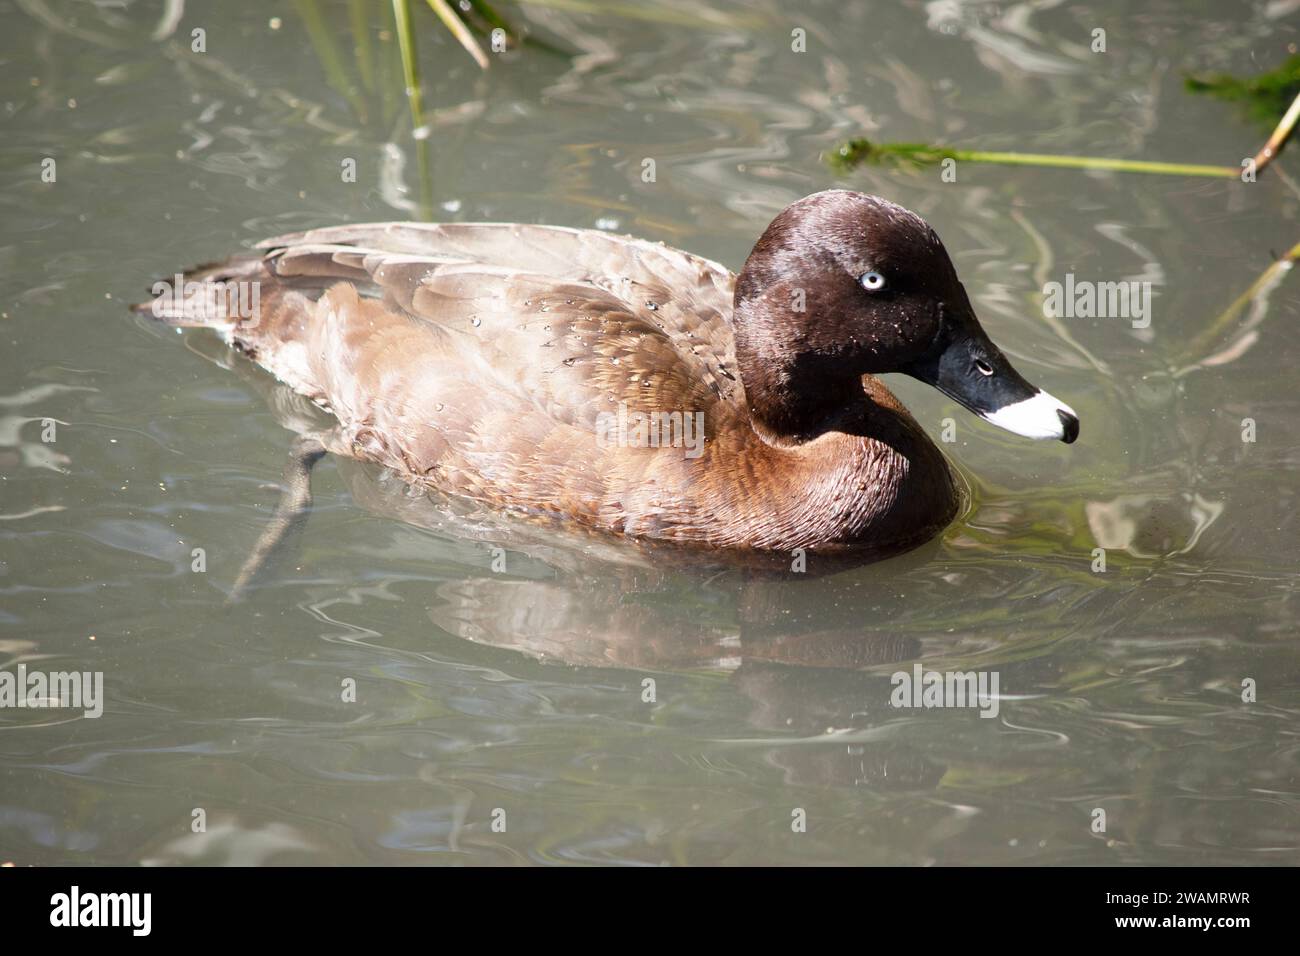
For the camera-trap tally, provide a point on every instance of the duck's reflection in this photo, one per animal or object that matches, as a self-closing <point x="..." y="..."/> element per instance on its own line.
<point x="802" y="648"/>
<point x="600" y="625"/>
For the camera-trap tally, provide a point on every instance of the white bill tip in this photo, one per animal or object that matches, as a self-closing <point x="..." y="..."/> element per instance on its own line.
<point x="1038" y="417"/>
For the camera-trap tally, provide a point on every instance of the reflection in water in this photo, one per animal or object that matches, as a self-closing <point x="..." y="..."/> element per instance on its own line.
<point x="807" y="652"/>
<point x="1148" y="527"/>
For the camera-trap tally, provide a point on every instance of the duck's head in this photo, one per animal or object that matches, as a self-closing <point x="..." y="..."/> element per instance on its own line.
<point x="842" y="285"/>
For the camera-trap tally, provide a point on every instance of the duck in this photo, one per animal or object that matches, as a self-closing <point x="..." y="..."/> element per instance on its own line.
<point x="627" y="387"/>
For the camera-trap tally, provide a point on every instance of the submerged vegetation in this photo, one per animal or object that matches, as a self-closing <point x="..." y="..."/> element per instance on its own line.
<point x="1262" y="97"/>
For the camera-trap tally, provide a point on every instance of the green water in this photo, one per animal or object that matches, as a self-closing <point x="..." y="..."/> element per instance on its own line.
<point x="519" y="696"/>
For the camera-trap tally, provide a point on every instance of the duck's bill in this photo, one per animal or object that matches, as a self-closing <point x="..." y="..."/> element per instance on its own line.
<point x="973" y="371"/>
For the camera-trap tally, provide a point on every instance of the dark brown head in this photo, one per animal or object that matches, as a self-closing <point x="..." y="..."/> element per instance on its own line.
<point x="842" y="285"/>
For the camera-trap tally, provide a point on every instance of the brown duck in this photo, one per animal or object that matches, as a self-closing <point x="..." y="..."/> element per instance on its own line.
<point x="630" y="387"/>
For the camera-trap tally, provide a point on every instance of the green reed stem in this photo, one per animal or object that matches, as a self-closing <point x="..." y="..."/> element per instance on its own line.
<point x="410" y="65"/>
<point x="411" y="75"/>
<point x="1280" y="135"/>
<point x="859" y="151"/>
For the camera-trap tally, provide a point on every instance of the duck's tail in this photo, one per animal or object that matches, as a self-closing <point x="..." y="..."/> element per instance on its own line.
<point x="220" y="295"/>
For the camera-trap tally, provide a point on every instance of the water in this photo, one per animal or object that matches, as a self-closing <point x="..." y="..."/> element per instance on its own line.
<point x="522" y="692"/>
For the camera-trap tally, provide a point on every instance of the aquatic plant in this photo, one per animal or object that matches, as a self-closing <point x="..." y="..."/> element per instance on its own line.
<point x="1262" y="97"/>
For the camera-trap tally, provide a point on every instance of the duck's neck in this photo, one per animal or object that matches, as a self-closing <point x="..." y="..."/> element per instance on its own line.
<point x="792" y="398"/>
<point x="790" y="405"/>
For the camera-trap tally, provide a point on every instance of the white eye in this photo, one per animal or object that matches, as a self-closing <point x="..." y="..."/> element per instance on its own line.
<point x="871" y="281"/>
